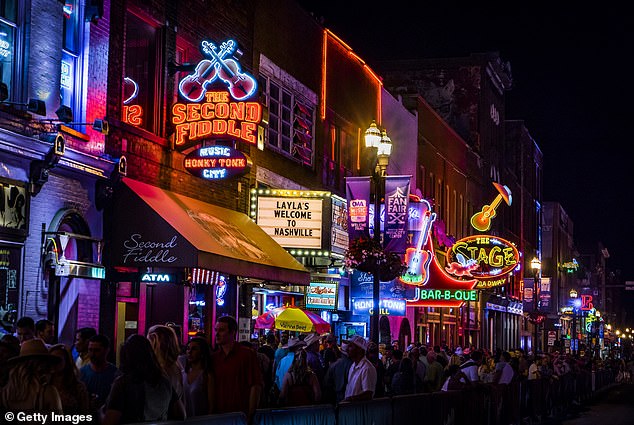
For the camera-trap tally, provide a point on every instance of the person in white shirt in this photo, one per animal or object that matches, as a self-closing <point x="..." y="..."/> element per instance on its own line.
<point x="471" y="366"/>
<point x="533" y="369"/>
<point x="362" y="373"/>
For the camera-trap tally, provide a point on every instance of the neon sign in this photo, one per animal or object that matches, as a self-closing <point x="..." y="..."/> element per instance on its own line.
<point x="212" y="112"/>
<point x="217" y="162"/>
<point x="387" y="307"/>
<point x="483" y="257"/>
<point x="418" y="260"/>
<point x="481" y="221"/>
<point x="216" y="117"/>
<point x="586" y="302"/>
<point x="438" y="288"/>
<point x="132" y="114"/>
<point x="447" y="295"/>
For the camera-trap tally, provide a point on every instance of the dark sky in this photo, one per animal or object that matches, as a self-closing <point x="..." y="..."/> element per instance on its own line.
<point x="571" y="66"/>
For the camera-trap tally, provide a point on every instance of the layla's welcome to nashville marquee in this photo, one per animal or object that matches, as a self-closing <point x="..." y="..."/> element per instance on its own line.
<point x="216" y="95"/>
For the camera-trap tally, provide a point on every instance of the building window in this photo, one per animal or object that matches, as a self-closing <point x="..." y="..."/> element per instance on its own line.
<point x="291" y="107"/>
<point x="291" y="121"/>
<point x="8" y="39"/>
<point x="71" y="75"/>
<point x="141" y="78"/>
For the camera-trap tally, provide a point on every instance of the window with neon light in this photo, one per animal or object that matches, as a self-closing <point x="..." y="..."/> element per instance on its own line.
<point x="71" y="88"/>
<point x="142" y="72"/>
<point x="291" y="114"/>
<point x="9" y="29"/>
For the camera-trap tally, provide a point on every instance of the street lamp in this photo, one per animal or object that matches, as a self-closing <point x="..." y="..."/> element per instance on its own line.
<point x="576" y="303"/>
<point x="379" y="144"/>
<point x="536" y="265"/>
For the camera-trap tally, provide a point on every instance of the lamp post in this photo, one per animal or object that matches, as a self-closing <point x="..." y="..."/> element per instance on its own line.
<point x="380" y="146"/>
<point x="576" y="302"/>
<point x="536" y="265"/>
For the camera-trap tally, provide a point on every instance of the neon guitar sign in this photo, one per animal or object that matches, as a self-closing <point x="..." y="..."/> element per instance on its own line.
<point x="218" y="67"/>
<point x="481" y="221"/>
<point x="418" y="260"/>
<point x="216" y="95"/>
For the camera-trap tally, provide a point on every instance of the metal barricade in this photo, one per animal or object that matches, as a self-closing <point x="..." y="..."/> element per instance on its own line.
<point x="408" y="408"/>
<point x="323" y="414"/>
<point x="376" y="412"/>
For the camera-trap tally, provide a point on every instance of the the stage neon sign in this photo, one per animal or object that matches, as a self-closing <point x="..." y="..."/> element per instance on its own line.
<point x="483" y="257"/>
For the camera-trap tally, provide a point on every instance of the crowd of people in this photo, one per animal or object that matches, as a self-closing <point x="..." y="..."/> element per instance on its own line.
<point x="158" y="379"/>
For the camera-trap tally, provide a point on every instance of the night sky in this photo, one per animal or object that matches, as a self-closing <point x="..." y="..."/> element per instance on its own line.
<point x="572" y="86"/>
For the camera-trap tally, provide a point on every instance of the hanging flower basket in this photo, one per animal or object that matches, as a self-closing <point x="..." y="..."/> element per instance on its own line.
<point x="367" y="255"/>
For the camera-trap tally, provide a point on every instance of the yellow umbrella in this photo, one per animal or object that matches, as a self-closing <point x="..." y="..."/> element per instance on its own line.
<point x="292" y="319"/>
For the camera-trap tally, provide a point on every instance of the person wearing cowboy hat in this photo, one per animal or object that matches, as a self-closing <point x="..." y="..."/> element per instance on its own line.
<point x="28" y="388"/>
<point x="293" y="346"/>
<point x="313" y="358"/>
<point x="362" y="374"/>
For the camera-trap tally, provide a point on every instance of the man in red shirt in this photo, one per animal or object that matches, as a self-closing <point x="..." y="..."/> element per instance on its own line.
<point x="237" y="377"/>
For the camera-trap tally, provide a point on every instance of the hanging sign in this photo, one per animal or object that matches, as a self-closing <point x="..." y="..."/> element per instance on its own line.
<point x="217" y="162"/>
<point x="216" y="96"/>
<point x="322" y="296"/>
<point x="396" y="213"/>
<point x="358" y="198"/>
<point x="485" y="258"/>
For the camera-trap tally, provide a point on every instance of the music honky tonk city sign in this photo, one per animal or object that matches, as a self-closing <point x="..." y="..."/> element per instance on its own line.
<point x="216" y="98"/>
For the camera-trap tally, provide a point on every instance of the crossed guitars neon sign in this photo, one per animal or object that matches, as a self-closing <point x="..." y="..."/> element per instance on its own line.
<point x="216" y="112"/>
<point x="240" y="85"/>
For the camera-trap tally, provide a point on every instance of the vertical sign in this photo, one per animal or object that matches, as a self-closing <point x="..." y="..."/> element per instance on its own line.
<point x="529" y="294"/>
<point x="339" y="226"/>
<point x="358" y="199"/>
<point x="544" y="294"/>
<point x="396" y="209"/>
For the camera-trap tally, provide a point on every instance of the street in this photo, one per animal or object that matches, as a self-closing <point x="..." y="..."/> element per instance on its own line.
<point x="613" y="407"/>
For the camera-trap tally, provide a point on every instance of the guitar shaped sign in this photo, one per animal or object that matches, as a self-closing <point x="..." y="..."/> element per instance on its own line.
<point x="481" y="221"/>
<point x="417" y="259"/>
<point x="193" y="87"/>
<point x="241" y="85"/>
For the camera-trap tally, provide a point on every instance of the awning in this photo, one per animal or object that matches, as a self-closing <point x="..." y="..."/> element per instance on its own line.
<point x="154" y="227"/>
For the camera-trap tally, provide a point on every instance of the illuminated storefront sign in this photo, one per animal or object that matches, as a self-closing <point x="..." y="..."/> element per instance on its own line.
<point x="433" y="286"/>
<point x="586" y="303"/>
<point x="217" y="162"/>
<point x="483" y="257"/>
<point x="217" y="92"/>
<point x="387" y="307"/>
<point x="157" y="277"/>
<point x="442" y="297"/>
<point x="321" y="296"/>
<point x="293" y="221"/>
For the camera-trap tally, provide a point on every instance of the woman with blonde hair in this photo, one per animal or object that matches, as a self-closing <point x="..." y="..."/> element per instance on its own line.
<point x="29" y="387"/>
<point x="166" y="348"/>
